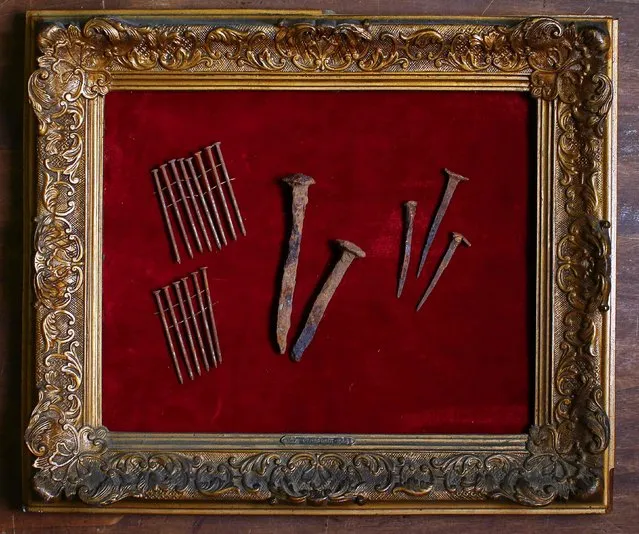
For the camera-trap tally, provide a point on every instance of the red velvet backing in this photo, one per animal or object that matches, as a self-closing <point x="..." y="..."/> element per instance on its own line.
<point x="460" y="365"/>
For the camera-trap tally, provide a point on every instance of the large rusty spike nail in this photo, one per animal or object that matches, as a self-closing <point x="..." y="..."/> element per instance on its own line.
<point x="452" y="246"/>
<point x="220" y="190"/>
<point x="167" y="333"/>
<point x="451" y="185"/>
<point x="409" y="219"/>
<point x="216" y="339"/>
<point x="205" y="322"/>
<point x="203" y="201"/>
<point x="216" y="213"/>
<point x="299" y="184"/>
<point x="218" y="150"/>
<point x="349" y="252"/>
<point x="165" y="212"/>
<point x="185" y="203"/>
<point x="176" y="209"/>
<point x="178" y="333"/>
<point x="198" y="213"/>
<point x="198" y="335"/>
<point x="185" y="320"/>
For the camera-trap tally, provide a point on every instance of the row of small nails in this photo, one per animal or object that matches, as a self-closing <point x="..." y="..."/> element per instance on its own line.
<point x="410" y="209"/>
<point x="191" y="178"/>
<point x="210" y="350"/>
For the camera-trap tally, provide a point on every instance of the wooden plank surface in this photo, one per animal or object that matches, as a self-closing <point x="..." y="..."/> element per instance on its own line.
<point x="625" y="516"/>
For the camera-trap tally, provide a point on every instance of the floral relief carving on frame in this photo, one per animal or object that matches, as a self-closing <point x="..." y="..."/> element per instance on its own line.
<point x="565" y="63"/>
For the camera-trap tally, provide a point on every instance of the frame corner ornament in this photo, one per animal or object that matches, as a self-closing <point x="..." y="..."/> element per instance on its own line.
<point x="566" y="64"/>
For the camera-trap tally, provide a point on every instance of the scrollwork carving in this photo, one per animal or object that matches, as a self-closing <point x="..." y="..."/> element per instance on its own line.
<point x="565" y="63"/>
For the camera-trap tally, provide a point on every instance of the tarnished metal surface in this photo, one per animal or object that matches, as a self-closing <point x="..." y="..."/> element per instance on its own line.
<point x="165" y="213"/>
<point x="193" y="197"/>
<point x="167" y="333"/>
<point x="209" y="192"/>
<point x="211" y="318"/>
<point x="189" y="322"/>
<point x="187" y="328"/>
<point x="178" y="332"/>
<point x="451" y="185"/>
<point x="452" y="246"/>
<point x="299" y="184"/>
<point x="409" y="219"/>
<point x="349" y="252"/>
<point x="176" y="210"/>
<point x="217" y="147"/>
<point x="220" y="190"/>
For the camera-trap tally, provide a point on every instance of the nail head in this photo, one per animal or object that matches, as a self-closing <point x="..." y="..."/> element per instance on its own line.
<point x="351" y="247"/>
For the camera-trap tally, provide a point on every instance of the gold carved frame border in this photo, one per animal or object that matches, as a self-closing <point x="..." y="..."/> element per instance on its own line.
<point x="563" y="465"/>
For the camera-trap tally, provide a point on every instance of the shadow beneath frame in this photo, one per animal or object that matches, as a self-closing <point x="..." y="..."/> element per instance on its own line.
<point x="13" y="91"/>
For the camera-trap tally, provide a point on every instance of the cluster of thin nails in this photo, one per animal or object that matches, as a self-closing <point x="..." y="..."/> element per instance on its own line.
<point x="410" y="208"/>
<point x="299" y="184"/>
<point x="197" y="194"/>
<point x="185" y="318"/>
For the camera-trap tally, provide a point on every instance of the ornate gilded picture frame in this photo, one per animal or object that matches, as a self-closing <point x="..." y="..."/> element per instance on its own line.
<point x="563" y="464"/>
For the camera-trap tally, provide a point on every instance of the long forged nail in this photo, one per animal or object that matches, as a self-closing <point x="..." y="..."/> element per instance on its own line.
<point x="176" y="210"/>
<point x="209" y="190"/>
<point x="205" y="322"/>
<point x="409" y="218"/>
<point x="196" y="326"/>
<point x="456" y="239"/>
<point x="299" y="184"/>
<point x="203" y="201"/>
<point x="185" y="320"/>
<point x="349" y="252"/>
<point x="198" y="213"/>
<point x="167" y="333"/>
<point x="178" y="332"/>
<point x="185" y="203"/>
<point x="218" y="150"/>
<point x="451" y="185"/>
<point x="207" y="292"/>
<point x="165" y="212"/>
<point x="220" y="191"/>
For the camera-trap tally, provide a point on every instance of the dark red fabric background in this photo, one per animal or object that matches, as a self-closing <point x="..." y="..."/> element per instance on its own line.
<point x="463" y="364"/>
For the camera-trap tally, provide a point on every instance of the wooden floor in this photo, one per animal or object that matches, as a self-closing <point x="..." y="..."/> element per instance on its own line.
<point x="625" y="516"/>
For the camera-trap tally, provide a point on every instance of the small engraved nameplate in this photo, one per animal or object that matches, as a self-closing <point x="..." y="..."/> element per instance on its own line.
<point x="317" y="440"/>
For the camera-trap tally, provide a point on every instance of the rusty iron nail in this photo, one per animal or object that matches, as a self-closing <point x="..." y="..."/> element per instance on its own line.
<point x="451" y="185"/>
<point x="196" y="326"/>
<point x="165" y="212"/>
<point x="176" y="209"/>
<point x="185" y="320"/>
<point x="216" y="213"/>
<point x="198" y="213"/>
<point x="205" y="205"/>
<point x="216" y="339"/>
<point x="176" y="329"/>
<point x="348" y="252"/>
<point x="167" y="333"/>
<point x="185" y="203"/>
<point x="456" y="239"/>
<point x="299" y="184"/>
<point x="218" y="150"/>
<point x="218" y="183"/>
<point x="409" y="219"/>
<point x="207" y="328"/>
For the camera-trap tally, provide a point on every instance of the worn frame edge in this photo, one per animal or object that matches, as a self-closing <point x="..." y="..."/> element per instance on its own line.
<point x="421" y="507"/>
